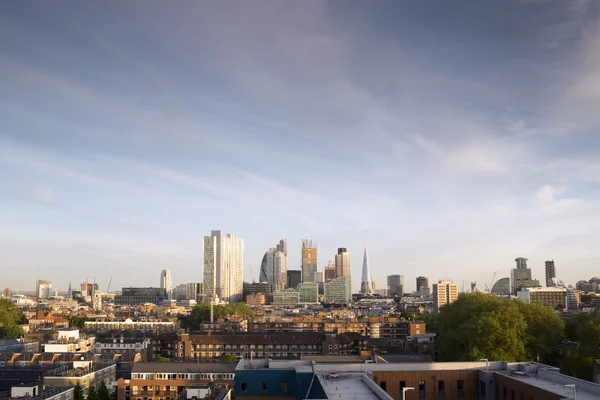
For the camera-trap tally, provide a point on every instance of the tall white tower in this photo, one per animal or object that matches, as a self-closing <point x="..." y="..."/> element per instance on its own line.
<point x="223" y="266"/>
<point x="366" y="283"/>
<point x="166" y="282"/>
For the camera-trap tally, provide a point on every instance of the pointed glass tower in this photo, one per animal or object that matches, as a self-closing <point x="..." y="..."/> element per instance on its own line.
<point x="366" y="284"/>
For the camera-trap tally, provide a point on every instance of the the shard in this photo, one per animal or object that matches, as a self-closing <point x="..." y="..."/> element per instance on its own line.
<point x="366" y="285"/>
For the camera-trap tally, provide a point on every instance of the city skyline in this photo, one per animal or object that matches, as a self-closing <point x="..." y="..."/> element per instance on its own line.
<point x="123" y="141"/>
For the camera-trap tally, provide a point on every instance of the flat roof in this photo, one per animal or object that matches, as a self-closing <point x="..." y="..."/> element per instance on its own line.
<point x="551" y="386"/>
<point x="183" y="367"/>
<point x="347" y="386"/>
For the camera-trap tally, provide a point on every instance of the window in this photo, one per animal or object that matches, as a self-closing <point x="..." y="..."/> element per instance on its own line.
<point x="504" y="391"/>
<point x="383" y="385"/>
<point x="284" y="386"/>
<point x="521" y="396"/>
<point x="512" y="394"/>
<point x="441" y="389"/>
<point x="263" y="386"/>
<point x="244" y="386"/>
<point x="482" y="389"/>
<point x="402" y="386"/>
<point x="421" y="389"/>
<point x="460" y="389"/>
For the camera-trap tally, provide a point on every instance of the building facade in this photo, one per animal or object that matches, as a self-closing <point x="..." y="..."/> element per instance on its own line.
<point x="309" y="261"/>
<point x="308" y="293"/>
<point x="550" y="271"/>
<point x="520" y="277"/>
<point x="294" y="277"/>
<point x="273" y="268"/>
<point x="339" y="290"/>
<point x="422" y="282"/>
<point x="444" y="292"/>
<point x="366" y="284"/>
<point x="166" y="282"/>
<point x="552" y="297"/>
<point x="286" y="298"/>
<point x="395" y="285"/>
<point x="223" y="266"/>
<point x="138" y="295"/>
<point x="342" y="263"/>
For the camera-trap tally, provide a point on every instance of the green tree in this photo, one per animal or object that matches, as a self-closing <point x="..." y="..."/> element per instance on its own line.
<point x="92" y="393"/>
<point x="10" y="318"/>
<point x="583" y="328"/>
<point x="228" y="358"/>
<point x="103" y="393"/>
<point x="78" y="392"/>
<point x="545" y="329"/>
<point x="201" y="313"/>
<point x="78" y="322"/>
<point x="162" y="359"/>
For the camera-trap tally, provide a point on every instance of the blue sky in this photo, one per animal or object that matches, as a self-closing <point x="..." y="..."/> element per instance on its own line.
<point x="448" y="137"/>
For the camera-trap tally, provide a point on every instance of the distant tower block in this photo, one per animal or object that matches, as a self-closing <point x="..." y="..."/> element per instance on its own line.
<point x="473" y="287"/>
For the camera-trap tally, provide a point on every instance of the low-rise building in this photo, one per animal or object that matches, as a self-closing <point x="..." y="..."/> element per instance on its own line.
<point x="286" y="298"/>
<point x="121" y="345"/>
<point x="552" y="297"/>
<point x="129" y="324"/>
<point x="36" y="391"/>
<point x="308" y="293"/>
<point x="84" y="372"/>
<point x="256" y="299"/>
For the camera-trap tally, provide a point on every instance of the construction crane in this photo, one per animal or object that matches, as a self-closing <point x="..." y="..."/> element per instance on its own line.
<point x="488" y="289"/>
<point x="251" y="274"/>
<point x="108" y="288"/>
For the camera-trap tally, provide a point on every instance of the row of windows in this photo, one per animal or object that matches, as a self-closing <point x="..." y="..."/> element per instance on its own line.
<point x="260" y="346"/>
<point x="264" y="386"/>
<point x="441" y="388"/>
<point x="190" y="377"/>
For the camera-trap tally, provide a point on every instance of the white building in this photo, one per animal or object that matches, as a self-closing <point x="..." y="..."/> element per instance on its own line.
<point x="223" y="266"/>
<point x="444" y="292"/>
<point x="166" y="282"/>
<point x="286" y="298"/>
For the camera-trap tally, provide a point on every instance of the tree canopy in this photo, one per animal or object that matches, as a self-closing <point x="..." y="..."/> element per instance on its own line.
<point x="228" y="358"/>
<point x="201" y="313"/>
<point x="10" y="318"/>
<point x="583" y="328"/>
<point x="479" y="326"/>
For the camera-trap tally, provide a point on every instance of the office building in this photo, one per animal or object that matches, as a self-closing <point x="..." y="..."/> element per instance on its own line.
<point x="286" y="298"/>
<point x="137" y="295"/>
<point x="309" y="261"/>
<point x="366" y="284"/>
<point x="422" y="282"/>
<point x="573" y="300"/>
<point x="223" y="266"/>
<point x="193" y="291"/>
<point x="444" y="292"/>
<point x="521" y="276"/>
<point x="166" y="282"/>
<point x="339" y="290"/>
<point x="342" y="263"/>
<point x="501" y="287"/>
<point x="273" y="268"/>
<point x="308" y="293"/>
<point x="44" y="289"/>
<point x="552" y="297"/>
<point x="257" y="287"/>
<point x="294" y="277"/>
<point x="550" y="271"/>
<point x="329" y="272"/>
<point x="395" y="285"/>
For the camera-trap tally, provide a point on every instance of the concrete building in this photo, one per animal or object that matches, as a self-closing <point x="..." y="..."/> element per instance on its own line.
<point x="193" y="291"/>
<point x="395" y="285"/>
<point x="84" y="372"/>
<point x="273" y="268"/>
<point x="339" y="290"/>
<point x="366" y="283"/>
<point x="286" y="298"/>
<point x="294" y="277"/>
<point x="166" y="282"/>
<point x="573" y="299"/>
<point x="550" y="271"/>
<point x="444" y="292"/>
<point x="139" y="295"/>
<point x="422" y="282"/>
<point x="309" y="261"/>
<point x="520" y="277"/>
<point x="342" y="263"/>
<point x="33" y="391"/>
<point x="129" y="324"/>
<point x="552" y="297"/>
<point x="308" y="293"/>
<point x="44" y="289"/>
<point x="223" y="266"/>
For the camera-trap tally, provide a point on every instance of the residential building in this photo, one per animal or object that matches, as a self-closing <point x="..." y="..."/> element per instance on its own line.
<point x="44" y="289"/>
<point x="166" y="283"/>
<point x="395" y="285"/>
<point x="69" y="341"/>
<point x="128" y="347"/>
<point x="339" y="290"/>
<point x="366" y="284"/>
<point x="501" y="287"/>
<point x="521" y="276"/>
<point x="141" y="295"/>
<point x="273" y="268"/>
<point x="129" y="324"/>
<point x="550" y="271"/>
<point x="294" y="277"/>
<point x="308" y="293"/>
<point x="84" y="372"/>
<point x="35" y="391"/>
<point x="286" y="298"/>
<point x="309" y="261"/>
<point x="256" y="299"/>
<point x="573" y="299"/>
<point x="444" y="292"/>
<point x="552" y="297"/>
<point x="159" y="381"/>
<point x="223" y="266"/>
<point x="422" y="282"/>
<point x="342" y="263"/>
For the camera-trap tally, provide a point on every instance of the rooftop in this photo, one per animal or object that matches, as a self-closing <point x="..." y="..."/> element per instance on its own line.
<point x="351" y="386"/>
<point x="183" y="367"/>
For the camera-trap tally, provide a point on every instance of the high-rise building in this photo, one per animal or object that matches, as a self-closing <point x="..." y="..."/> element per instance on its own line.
<point x="223" y="266"/>
<point x="395" y="285"/>
<point x="329" y="272"/>
<point x="294" y="277"/>
<point x="366" y="284"/>
<point x="520" y="277"/>
<point x="550" y="271"/>
<point x="44" y="290"/>
<point x="444" y="292"/>
<point x="339" y="290"/>
<point x="192" y="291"/>
<point x="273" y="268"/>
<point x="6" y="293"/>
<point x="166" y="282"/>
<point x="309" y="261"/>
<point x="342" y="263"/>
<point x="422" y="282"/>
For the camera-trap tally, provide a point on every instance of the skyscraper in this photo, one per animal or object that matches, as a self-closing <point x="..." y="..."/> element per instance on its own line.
<point x="294" y="277"/>
<point x="309" y="261"/>
<point x="273" y="268"/>
<point x="366" y="284"/>
<point x="166" y="282"/>
<point x="521" y="276"/>
<point x="422" y="282"/>
<point x="223" y="266"/>
<point x="444" y="292"/>
<point x="342" y="263"/>
<point x="329" y="272"/>
<point x="395" y="285"/>
<point x="550" y="271"/>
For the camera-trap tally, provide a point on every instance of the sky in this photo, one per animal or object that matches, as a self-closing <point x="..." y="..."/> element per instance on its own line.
<point x="447" y="137"/>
